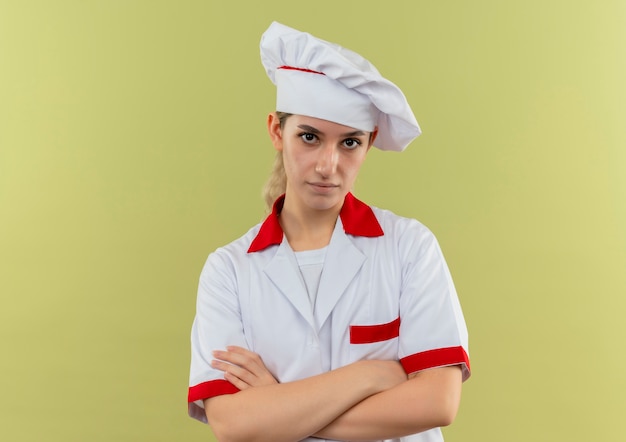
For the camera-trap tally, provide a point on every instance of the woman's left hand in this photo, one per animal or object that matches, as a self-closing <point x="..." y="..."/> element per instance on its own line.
<point x="242" y="368"/>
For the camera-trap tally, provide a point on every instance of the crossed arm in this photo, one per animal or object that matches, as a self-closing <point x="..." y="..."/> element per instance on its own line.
<point x="366" y="400"/>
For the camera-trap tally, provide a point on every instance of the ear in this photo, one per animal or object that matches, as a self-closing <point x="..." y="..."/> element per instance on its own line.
<point x="275" y="131"/>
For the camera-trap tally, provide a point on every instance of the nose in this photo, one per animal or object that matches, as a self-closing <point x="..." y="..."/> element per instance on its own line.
<point x="327" y="160"/>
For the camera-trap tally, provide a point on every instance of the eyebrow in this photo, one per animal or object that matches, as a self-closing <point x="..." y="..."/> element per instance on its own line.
<point x="306" y="127"/>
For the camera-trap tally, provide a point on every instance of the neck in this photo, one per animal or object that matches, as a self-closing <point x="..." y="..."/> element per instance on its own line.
<point x="308" y="230"/>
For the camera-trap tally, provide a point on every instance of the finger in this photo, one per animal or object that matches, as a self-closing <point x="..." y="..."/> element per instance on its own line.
<point x="243" y="354"/>
<point x="254" y="373"/>
<point x="241" y="385"/>
<point x="236" y="371"/>
<point x="228" y="375"/>
<point x="242" y="358"/>
<point x="251" y="379"/>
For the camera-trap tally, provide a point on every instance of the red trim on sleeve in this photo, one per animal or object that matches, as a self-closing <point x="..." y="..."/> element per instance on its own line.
<point x="439" y="357"/>
<point x="210" y="389"/>
<point x="366" y="334"/>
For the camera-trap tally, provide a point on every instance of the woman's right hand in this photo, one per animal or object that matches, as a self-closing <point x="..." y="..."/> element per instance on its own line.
<point x="242" y="368"/>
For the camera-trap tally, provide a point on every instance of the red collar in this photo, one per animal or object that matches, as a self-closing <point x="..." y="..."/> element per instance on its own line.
<point x="357" y="218"/>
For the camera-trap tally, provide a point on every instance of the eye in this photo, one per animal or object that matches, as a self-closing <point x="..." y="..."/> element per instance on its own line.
<point x="351" y="143"/>
<point x="308" y="137"/>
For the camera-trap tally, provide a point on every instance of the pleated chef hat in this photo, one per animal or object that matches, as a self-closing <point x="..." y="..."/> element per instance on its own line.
<point x="320" y="79"/>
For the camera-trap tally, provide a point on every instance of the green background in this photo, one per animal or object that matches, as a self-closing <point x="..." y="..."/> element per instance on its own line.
<point x="132" y="143"/>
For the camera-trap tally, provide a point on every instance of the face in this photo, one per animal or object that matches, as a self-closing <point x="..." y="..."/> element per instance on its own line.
<point x="322" y="160"/>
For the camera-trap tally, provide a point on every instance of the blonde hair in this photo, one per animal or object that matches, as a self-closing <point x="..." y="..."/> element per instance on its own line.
<point x="276" y="184"/>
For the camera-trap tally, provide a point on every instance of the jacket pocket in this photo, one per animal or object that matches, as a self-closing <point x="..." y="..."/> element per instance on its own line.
<point x="367" y="334"/>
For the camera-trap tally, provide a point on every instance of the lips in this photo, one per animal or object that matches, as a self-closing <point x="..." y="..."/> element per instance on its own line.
<point x="323" y="187"/>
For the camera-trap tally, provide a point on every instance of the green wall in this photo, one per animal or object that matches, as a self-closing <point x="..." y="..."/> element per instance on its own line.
<point x="132" y="143"/>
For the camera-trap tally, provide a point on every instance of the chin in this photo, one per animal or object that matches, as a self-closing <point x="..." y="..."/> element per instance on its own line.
<point x="326" y="202"/>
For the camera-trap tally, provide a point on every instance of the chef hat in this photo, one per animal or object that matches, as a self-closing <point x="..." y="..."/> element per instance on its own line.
<point x="320" y="79"/>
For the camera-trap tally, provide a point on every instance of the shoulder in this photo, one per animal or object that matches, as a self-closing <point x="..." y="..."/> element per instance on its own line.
<point x="408" y="237"/>
<point x="395" y="225"/>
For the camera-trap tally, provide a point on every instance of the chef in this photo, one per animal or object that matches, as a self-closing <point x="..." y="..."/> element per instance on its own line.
<point x="331" y="319"/>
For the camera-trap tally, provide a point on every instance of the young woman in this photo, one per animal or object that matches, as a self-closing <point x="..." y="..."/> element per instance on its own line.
<point x="332" y="319"/>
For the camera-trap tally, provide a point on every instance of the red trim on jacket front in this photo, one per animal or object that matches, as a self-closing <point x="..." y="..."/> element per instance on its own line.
<point x="358" y="219"/>
<point x="439" y="357"/>
<point x="366" y="334"/>
<point x="210" y="389"/>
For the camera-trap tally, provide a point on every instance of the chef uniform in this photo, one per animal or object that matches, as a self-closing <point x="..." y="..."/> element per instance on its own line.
<point x="381" y="289"/>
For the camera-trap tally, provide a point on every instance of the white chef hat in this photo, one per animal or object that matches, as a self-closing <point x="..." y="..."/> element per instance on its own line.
<point x="320" y="79"/>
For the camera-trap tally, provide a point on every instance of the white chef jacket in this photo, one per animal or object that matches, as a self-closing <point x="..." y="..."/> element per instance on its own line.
<point x="385" y="293"/>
